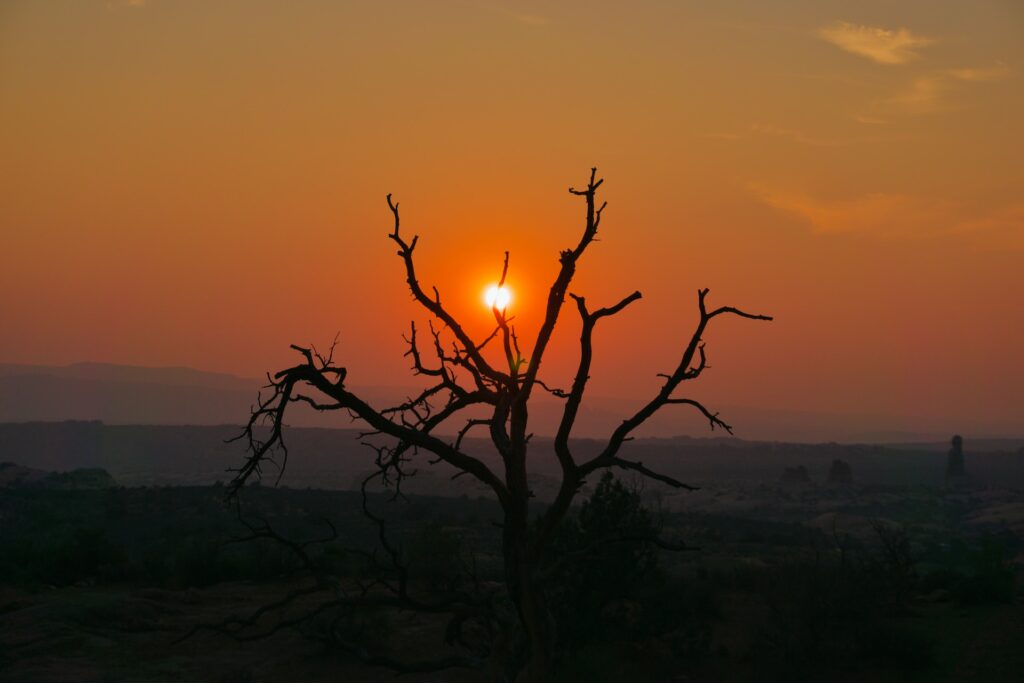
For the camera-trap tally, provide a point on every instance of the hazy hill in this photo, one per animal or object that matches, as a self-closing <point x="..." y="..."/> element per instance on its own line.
<point x="13" y="475"/>
<point x="119" y="394"/>
<point x="133" y="374"/>
<point x="334" y="458"/>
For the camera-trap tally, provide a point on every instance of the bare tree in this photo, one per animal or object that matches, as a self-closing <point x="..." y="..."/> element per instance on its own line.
<point x="461" y="377"/>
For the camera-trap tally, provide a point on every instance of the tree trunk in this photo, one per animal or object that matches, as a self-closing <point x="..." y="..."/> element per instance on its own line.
<point x="528" y="596"/>
<point x="521" y="571"/>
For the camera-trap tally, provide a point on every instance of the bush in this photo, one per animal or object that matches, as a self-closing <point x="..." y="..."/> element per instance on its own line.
<point x="601" y="564"/>
<point x="975" y="574"/>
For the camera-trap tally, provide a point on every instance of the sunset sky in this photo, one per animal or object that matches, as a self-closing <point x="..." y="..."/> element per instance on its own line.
<point x="203" y="183"/>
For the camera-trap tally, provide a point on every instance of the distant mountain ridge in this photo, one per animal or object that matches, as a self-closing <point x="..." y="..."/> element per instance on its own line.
<point x="13" y="475"/>
<point x="123" y="397"/>
<point x="138" y="455"/>
<point x="124" y="394"/>
<point x="111" y="372"/>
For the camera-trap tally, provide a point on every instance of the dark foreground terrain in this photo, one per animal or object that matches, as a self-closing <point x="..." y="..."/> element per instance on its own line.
<point x="792" y="581"/>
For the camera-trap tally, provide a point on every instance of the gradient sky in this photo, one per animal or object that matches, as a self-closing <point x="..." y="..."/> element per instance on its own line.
<point x="202" y="183"/>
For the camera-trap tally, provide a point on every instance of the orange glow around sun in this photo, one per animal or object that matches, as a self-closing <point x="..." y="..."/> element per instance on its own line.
<point x="888" y="196"/>
<point x="497" y="297"/>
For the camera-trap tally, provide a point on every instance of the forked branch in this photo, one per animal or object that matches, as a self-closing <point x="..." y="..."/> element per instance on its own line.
<point x="405" y="251"/>
<point x="270" y="414"/>
<point x="686" y="370"/>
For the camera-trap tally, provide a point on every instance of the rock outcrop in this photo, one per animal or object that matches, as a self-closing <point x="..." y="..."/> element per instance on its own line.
<point x="840" y="474"/>
<point x="956" y="469"/>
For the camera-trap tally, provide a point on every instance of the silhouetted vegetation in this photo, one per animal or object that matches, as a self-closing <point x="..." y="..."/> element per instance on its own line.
<point x="766" y="596"/>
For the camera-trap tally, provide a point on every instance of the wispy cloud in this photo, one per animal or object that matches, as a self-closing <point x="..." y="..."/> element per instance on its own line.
<point x="770" y="130"/>
<point x="1002" y="227"/>
<point x="901" y="216"/>
<point x="795" y="135"/>
<point x="881" y="45"/>
<point x="933" y="92"/>
<point x="981" y="74"/>
<point x="925" y="95"/>
<point x="881" y="214"/>
<point x="869" y="120"/>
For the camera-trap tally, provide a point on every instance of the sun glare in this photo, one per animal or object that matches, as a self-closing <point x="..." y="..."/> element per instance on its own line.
<point x="497" y="297"/>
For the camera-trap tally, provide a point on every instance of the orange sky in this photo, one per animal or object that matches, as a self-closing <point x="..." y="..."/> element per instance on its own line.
<point x="202" y="183"/>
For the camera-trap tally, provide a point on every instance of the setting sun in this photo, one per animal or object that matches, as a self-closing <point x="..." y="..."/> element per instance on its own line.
<point x="497" y="297"/>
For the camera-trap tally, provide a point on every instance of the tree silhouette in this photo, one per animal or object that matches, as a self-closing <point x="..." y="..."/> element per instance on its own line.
<point x="461" y="377"/>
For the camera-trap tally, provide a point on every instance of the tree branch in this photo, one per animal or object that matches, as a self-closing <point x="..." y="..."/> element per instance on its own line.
<point x="556" y="297"/>
<point x="284" y="384"/>
<point x="434" y="305"/>
<point x="684" y="371"/>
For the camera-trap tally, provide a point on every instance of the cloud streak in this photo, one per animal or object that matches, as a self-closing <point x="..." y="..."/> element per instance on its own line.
<point x="932" y="92"/>
<point x="879" y="213"/>
<point x="772" y="131"/>
<point x="880" y="45"/>
<point x="1003" y="227"/>
<point x="901" y="216"/>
